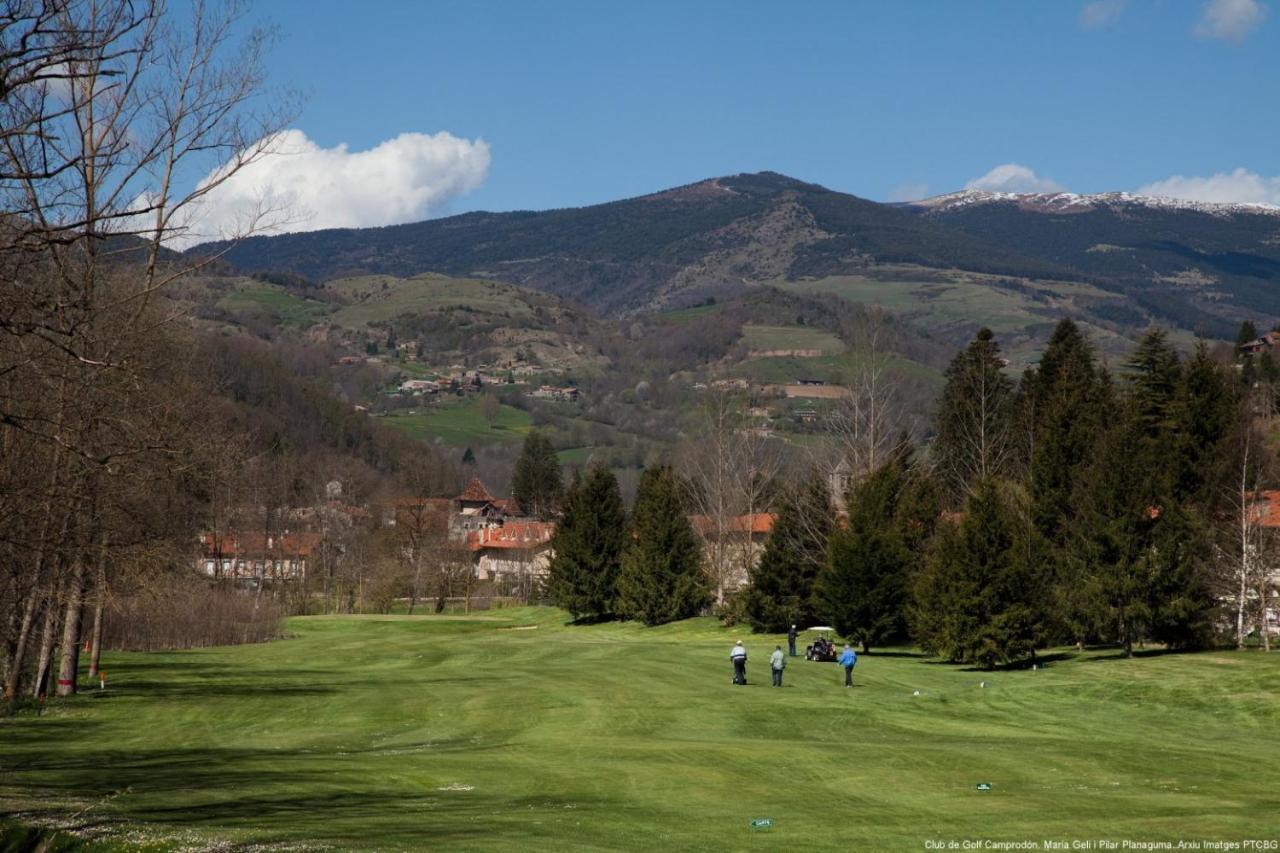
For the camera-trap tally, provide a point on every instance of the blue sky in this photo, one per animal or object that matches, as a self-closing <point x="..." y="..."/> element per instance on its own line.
<point x="583" y="102"/>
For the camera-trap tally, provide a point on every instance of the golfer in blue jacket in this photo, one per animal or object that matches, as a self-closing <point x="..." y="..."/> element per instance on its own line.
<point x="848" y="660"/>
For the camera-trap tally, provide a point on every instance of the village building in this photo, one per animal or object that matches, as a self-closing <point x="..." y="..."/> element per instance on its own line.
<point x="734" y="545"/>
<point x="839" y="479"/>
<point x="478" y="510"/>
<point x="1260" y="345"/>
<point x="1264" y="512"/>
<point x="515" y="556"/>
<point x="419" y="386"/>
<point x="567" y="394"/>
<point x="257" y="557"/>
<point x="472" y="510"/>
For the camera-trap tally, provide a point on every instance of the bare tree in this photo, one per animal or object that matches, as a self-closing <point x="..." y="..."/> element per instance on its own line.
<point x="730" y="465"/>
<point x="1248" y="551"/>
<point x="976" y="437"/>
<point x="107" y="107"/>
<point x="869" y="417"/>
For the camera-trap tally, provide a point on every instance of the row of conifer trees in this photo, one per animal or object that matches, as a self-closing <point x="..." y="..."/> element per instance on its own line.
<point x="1075" y="505"/>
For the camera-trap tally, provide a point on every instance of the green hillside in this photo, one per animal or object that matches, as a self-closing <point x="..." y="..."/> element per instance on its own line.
<point x="374" y="299"/>
<point x="510" y="731"/>
<point x="250" y="299"/>
<point x="462" y="423"/>
<point x="759" y="337"/>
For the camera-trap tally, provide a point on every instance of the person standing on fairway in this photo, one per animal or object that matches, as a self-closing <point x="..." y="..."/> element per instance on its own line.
<point x="848" y="660"/>
<point x="777" y="662"/>
<point x="739" y="658"/>
<point x="791" y="640"/>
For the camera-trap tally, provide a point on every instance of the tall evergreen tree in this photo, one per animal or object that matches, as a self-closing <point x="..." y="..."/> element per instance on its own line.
<point x="661" y="579"/>
<point x="862" y="588"/>
<point x="536" y="483"/>
<point x="1154" y="371"/>
<point x="587" y="547"/>
<point x="1181" y="601"/>
<point x="977" y="599"/>
<point x="1069" y="403"/>
<point x="1248" y="332"/>
<point x="1245" y="361"/>
<point x="781" y="587"/>
<point x="1204" y="412"/>
<point x="975" y="438"/>
<point x="1120" y="505"/>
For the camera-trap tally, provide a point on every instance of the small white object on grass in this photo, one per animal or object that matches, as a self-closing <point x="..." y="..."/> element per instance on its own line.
<point x="982" y="684"/>
<point x="917" y="693"/>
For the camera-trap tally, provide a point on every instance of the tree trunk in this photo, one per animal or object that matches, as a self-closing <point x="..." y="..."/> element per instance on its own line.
<point x="1263" y="600"/>
<point x="13" y="675"/>
<point x="413" y="587"/>
<point x="99" y="604"/>
<point x="47" y="638"/>
<point x="70" y="660"/>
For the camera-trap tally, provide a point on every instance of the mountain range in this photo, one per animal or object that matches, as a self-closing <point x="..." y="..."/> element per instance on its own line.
<point x="1189" y="265"/>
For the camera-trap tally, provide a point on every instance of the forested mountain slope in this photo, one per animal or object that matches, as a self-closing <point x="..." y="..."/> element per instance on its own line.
<point x="1192" y="266"/>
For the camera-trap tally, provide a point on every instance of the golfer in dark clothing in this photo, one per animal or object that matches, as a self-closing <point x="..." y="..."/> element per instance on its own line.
<point x="739" y="657"/>
<point x="791" y="640"/>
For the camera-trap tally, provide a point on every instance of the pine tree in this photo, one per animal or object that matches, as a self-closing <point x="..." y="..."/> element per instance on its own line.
<point x="781" y="587"/>
<point x="587" y="547"/>
<point x="1154" y="371"/>
<point x="1181" y="602"/>
<point x="975" y="439"/>
<point x="1248" y="333"/>
<point x="469" y="458"/>
<point x="1120" y="505"/>
<point x="661" y="579"/>
<point x="536" y="483"/>
<point x="862" y="588"/>
<point x="1069" y="402"/>
<point x="978" y="599"/>
<point x="1204" y="412"/>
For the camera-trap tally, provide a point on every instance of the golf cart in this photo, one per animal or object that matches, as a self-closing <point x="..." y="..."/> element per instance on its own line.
<point x="823" y="648"/>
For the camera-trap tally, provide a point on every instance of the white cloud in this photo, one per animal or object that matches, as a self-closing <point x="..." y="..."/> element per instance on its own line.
<point x="1240" y="187"/>
<point x="1101" y="13"/>
<point x="405" y="179"/>
<point x="909" y="192"/>
<point x="1230" y="20"/>
<point x="1012" y="178"/>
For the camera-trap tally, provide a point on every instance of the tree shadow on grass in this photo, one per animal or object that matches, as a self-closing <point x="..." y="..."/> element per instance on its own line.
<point x="193" y="677"/>
<point x="1027" y="663"/>
<point x="269" y="794"/>
<point x="1011" y="666"/>
<point x="1118" y="654"/>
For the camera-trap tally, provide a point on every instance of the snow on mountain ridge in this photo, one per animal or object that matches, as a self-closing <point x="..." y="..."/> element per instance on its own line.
<point x="1066" y="202"/>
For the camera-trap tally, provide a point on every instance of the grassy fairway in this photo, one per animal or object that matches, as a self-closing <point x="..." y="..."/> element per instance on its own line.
<point x="473" y="734"/>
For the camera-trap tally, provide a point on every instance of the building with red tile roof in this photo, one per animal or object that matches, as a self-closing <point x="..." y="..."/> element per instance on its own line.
<point x="266" y="557"/>
<point x="516" y="554"/>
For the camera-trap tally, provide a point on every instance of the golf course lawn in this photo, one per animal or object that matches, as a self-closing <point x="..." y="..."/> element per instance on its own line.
<point x="510" y="730"/>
